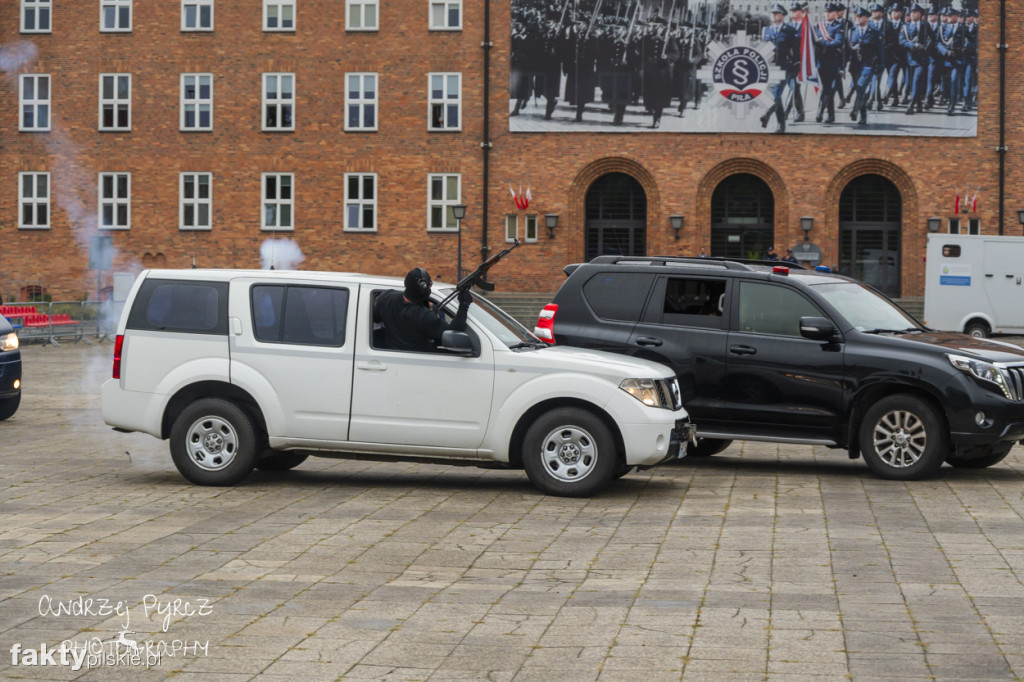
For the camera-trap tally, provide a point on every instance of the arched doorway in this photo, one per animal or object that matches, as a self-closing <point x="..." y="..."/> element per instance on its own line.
<point x="616" y="217"/>
<point x="870" y="218"/>
<point x="742" y="217"/>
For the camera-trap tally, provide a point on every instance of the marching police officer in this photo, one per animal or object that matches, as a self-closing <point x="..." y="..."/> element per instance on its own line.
<point x="866" y="45"/>
<point x="951" y="46"/>
<point x="786" y="39"/>
<point x="971" y="59"/>
<point x="829" y="39"/>
<point x="879" y="23"/>
<point x="895" y="55"/>
<point x="915" y="39"/>
<point x="934" y="68"/>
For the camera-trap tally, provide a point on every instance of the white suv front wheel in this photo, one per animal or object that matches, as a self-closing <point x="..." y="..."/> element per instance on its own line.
<point x="569" y="452"/>
<point x="213" y="442"/>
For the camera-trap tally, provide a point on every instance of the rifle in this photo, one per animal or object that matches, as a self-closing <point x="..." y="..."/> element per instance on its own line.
<point x="668" y="25"/>
<point x="477" y="276"/>
<point x="593" y="18"/>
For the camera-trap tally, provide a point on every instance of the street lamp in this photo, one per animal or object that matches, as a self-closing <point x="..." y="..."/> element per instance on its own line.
<point x="676" y="221"/>
<point x="551" y="222"/>
<point x="934" y="224"/>
<point x="459" y="212"/>
<point x="807" y="224"/>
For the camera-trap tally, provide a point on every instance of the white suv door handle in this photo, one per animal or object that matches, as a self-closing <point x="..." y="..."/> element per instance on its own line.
<point x="372" y="366"/>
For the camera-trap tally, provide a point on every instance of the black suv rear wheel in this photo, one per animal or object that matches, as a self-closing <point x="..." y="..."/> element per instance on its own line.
<point x="569" y="452"/>
<point x="903" y="439"/>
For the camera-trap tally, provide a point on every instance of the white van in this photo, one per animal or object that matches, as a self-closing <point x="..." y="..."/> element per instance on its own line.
<point x="244" y="369"/>
<point x="975" y="284"/>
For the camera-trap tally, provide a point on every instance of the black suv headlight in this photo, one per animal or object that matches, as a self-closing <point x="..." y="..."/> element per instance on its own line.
<point x="663" y="393"/>
<point x="986" y="371"/>
<point x="8" y="342"/>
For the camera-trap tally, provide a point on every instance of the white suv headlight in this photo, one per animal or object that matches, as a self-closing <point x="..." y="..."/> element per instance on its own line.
<point x="985" y="371"/>
<point x="663" y="393"/>
<point x="9" y="342"/>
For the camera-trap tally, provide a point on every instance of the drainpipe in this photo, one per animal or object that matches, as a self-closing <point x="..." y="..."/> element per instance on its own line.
<point x="1002" y="115"/>
<point x="485" y="144"/>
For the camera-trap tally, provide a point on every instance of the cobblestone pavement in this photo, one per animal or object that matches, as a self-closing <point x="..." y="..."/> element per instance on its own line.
<point x="765" y="562"/>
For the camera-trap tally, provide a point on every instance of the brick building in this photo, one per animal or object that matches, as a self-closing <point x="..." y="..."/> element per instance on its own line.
<point x="202" y="128"/>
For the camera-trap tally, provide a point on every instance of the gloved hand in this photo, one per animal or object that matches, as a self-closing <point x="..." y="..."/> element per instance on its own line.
<point x="465" y="297"/>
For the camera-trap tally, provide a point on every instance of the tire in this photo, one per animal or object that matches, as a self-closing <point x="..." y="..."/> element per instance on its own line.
<point x="997" y="453"/>
<point x="569" y="452"/>
<point x="977" y="329"/>
<point x="274" y="460"/>
<point x="213" y="442"/>
<point x="902" y="438"/>
<point x="8" y="406"/>
<point x="706" y="447"/>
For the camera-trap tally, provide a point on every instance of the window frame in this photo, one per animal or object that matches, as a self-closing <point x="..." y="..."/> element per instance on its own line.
<point x="277" y="202"/>
<point x="282" y="313"/>
<point x="117" y="4"/>
<point x="34" y="200"/>
<point x="36" y="6"/>
<point x="115" y="201"/>
<point x="361" y="102"/>
<point x="447" y="6"/>
<point x="736" y="319"/>
<point x="528" y="218"/>
<point x="279" y="103"/>
<point x="953" y="226"/>
<point x="361" y="201"/>
<point x="196" y="101"/>
<point x="443" y="102"/>
<point x="445" y="204"/>
<point x="363" y="4"/>
<point x="35" y="103"/>
<point x="115" y="102"/>
<point x="280" y="4"/>
<point x="199" y="4"/>
<point x="974" y="226"/>
<point x="195" y="201"/>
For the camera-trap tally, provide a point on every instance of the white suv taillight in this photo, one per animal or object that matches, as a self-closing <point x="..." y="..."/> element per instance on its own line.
<point x="545" y="329"/>
<point x="118" y="344"/>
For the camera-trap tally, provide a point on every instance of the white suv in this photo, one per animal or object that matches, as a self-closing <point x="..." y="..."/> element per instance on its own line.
<point x="244" y="369"/>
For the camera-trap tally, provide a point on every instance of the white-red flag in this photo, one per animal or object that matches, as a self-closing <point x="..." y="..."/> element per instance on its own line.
<point x="808" y="65"/>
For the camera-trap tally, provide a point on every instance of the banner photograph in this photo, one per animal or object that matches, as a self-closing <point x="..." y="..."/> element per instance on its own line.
<point x="694" y="66"/>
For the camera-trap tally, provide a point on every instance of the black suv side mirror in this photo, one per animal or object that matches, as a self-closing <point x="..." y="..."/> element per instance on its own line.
<point x="818" y="329"/>
<point x="456" y="342"/>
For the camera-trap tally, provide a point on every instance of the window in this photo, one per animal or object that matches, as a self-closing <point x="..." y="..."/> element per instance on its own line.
<point x="180" y="306"/>
<point x="278" y="15"/>
<point x="362" y="15"/>
<point x="512" y="228"/>
<point x="278" y="101"/>
<point x="298" y="314"/>
<point x="115" y="101"/>
<point x="278" y="201"/>
<point x="445" y="101"/>
<point x="34" y="199"/>
<point x="443" y="192"/>
<point x="35" y="103"/>
<point x="115" y="15"/>
<point x="950" y="250"/>
<point x="35" y="16"/>
<point x="361" y="101"/>
<point x="196" y="101"/>
<point x="194" y="190"/>
<point x="445" y="15"/>
<point x="361" y="202"/>
<point x="687" y="298"/>
<point x="615" y="295"/>
<point x="954" y="226"/>
<point x="770" y="309"/>
<point x="115" y="211"/>
<point x="974" y="226"/>
<point x="196" y="15"/>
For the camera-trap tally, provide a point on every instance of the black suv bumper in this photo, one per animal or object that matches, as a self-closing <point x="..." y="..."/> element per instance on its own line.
<point x="10" y="372"/>
<point x="984" y="418"/>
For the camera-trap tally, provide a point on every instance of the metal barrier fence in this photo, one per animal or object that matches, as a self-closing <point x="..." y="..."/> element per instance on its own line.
<point x="55" y="321"/>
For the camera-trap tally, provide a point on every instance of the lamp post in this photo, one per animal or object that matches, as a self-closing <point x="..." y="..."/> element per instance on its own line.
<point x="934" y="224"/>
<point x="459" y="212"/>
<point x="807" y="224"/>
<point x="676" y="221"/>
<point x="551" y="222"/>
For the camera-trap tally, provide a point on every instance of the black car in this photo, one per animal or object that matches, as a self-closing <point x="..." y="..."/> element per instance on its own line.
<point x="774" y="353"/>
<point x="10" y="370"/>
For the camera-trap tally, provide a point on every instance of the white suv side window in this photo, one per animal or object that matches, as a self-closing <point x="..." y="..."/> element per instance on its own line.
<point x="312" y="316"/>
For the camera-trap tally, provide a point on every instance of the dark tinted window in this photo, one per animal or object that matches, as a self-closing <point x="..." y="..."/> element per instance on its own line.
<point x="685" y="298"/>
<point x="618" y="295"/>
<point x="181" y="306"/>
<point x="298" y="314"/>
<point x="950" y="250"/>
<point x="770" y="309"/>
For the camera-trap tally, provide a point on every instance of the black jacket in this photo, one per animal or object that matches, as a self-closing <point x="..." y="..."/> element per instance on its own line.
<point x="413" y="326"/>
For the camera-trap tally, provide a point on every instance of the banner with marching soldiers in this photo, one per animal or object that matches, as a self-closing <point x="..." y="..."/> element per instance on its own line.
<point x="718" y="66"/>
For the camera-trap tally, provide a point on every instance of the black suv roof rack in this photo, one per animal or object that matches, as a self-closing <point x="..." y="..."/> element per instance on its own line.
<point x="727" y="263"/>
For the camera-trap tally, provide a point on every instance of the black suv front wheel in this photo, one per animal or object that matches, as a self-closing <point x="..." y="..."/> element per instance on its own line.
<point x="902" y="438"/>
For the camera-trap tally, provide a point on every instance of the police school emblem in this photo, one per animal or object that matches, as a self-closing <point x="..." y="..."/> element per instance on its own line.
<point x="740" y="73"/>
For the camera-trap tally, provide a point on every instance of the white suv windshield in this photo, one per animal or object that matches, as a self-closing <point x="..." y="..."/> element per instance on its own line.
<point x="497" y="322"/>
<point x="864" y="308"/>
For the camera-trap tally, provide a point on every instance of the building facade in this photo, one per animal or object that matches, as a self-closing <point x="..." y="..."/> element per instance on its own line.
<point x="199" y="131"/>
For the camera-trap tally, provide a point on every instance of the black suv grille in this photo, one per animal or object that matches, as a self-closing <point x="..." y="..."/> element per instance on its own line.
<point x="1015" y="382"/>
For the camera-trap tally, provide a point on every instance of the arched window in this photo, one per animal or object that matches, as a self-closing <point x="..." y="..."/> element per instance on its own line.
<point x="616" y="217"/>
<point x="870" y="221"/>
<point x="742" y="217"/>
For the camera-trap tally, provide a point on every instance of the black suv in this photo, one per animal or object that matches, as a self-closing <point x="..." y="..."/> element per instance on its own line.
<point x="10" y="370"/>
<point x="774" y="353"/>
